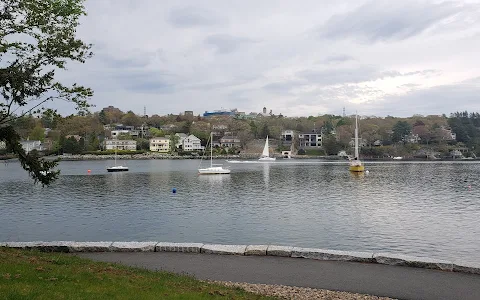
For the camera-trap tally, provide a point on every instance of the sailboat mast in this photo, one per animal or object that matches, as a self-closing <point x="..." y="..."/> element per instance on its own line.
<point x="356" y="137"/>
<point x="211" y="149"/>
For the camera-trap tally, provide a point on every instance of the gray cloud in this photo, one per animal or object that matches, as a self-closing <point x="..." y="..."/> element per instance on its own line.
<point x="281" y="87"/>
<point x="188" y="17"/>
<point x="122" y="63"/>
<point x="388" y="20"/>
<point x="146" y="82"/>
<point x="337" y="59"/>
<point x="224" y="43"/>
<point x="221" y="54"/>
<point x="339" y="76"/>
<point x="436" y="100"/>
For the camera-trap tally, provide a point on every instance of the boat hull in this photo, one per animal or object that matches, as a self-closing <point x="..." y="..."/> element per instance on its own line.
<point x="360" y="168"/>
<point x="267" y="159"/>
<point x="117" y="169"/>
<point x="213" y="171"/>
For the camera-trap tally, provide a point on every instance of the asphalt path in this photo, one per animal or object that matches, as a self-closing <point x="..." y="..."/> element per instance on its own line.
<point x="366" y="278"/>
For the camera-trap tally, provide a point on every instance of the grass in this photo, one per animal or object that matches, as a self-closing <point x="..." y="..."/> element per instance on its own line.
<point x="26" y="274"/>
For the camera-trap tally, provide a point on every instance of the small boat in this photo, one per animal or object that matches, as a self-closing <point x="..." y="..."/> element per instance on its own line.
<point x="214" y="168"/>
<point x="265" y="154"/>
<point x="355" y="163"/>
<point x="117" y="168"/>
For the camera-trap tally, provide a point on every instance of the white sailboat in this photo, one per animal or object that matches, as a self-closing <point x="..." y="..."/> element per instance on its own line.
<point x="214" y="168"/>
<point x="355" y="163"/>
<point x="266" y="154"/>
<point x="117" y="168"/>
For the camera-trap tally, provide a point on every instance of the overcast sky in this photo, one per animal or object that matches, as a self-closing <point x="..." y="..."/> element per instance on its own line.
<point x="298" y="58"/>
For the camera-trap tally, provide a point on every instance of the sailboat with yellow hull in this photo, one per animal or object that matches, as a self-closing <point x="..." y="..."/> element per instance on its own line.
<point x="355" y="163"/>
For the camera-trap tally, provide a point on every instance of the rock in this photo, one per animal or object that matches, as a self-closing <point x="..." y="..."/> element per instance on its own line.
<point x="411" y="261"/>
<point x="90" y="246"/>
<point x="274" y="250"/>
<point x="133" y="246"/>
<point x="178" y="247"/>
<point x="56" y="246"/>
<point x="256" y="250"/>
<point x="23" y="245"/>
<point x="466" y="267"/>
<point x="224" y="249"/>
<point x="321" y="254"/>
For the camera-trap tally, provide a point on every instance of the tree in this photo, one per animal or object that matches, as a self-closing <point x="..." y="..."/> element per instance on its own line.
<point x="38" y="134"/>
<point x="131" y="119"/>
<point x="330" y="145"/>
<point x="37" y="38"/>
<point x="155" y="132"/>
<point x="400" y="130"/>
<point x="174" y="139"/>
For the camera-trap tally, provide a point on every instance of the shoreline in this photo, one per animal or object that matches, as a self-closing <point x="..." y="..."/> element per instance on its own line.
<point x="252" y="250"/>
<point x="153" y="155"/>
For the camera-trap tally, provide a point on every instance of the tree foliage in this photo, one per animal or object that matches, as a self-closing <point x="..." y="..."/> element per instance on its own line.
<point x="400" y="130"/>
<point x="37" y="39"/>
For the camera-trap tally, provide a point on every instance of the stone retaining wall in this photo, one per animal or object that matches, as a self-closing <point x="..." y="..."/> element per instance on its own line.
<point x="259" y="250"/>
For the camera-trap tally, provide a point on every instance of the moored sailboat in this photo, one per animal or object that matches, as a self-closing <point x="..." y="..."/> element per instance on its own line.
<point x="214" y="168"/>
<point x="117" y="168"/>
<point x="355" y="163"/>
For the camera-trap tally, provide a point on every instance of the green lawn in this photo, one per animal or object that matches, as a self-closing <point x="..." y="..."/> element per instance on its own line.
<point x="26" y="274"/>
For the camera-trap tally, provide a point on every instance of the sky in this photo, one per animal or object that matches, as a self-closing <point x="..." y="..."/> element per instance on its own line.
<point x="297" y="58"/>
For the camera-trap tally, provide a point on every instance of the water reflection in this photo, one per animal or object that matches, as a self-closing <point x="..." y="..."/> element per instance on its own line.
<point x="215" y="179"/>
<point x="266" y="174"/>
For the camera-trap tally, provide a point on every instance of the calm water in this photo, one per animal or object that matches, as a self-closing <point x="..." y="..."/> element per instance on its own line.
<point x="422" y="209"/>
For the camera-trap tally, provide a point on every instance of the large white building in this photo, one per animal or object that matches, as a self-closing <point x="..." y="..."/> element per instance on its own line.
<point x="121" y="145"/>
<point x="160" y="144"/>
<point x="192" y="143"/>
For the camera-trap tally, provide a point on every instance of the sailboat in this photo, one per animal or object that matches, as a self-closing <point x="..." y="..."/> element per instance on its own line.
<point x="214" y="168"/>
<point x="117" y="168"/>
<point x="265" y="154"/>
<point x="355" y="163"/>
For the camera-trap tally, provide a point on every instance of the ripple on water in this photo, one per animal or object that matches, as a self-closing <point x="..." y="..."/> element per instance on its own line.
<point x="423" y="209"/>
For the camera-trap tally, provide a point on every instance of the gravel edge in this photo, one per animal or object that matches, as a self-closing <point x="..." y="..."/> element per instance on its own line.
<point x="297" y="293"/>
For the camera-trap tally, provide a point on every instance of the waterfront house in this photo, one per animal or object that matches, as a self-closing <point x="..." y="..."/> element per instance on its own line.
<point x="310" y="140"/>
<point x="130" y="145"/>
<point x="192" y="143"/>
<point x="160" y="144"/>
<point x="230" y="141"/>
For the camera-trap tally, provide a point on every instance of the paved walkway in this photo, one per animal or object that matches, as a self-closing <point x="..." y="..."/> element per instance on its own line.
<point x="373" y="279"/>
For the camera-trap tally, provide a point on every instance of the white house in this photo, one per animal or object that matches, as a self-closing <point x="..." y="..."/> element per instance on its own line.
<point x="192" y="143"/>
<point x="3" y="145"/>
<point x="121" y="145"/>
<point x="32" y="145"/>
<point x="160" y="144"/>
